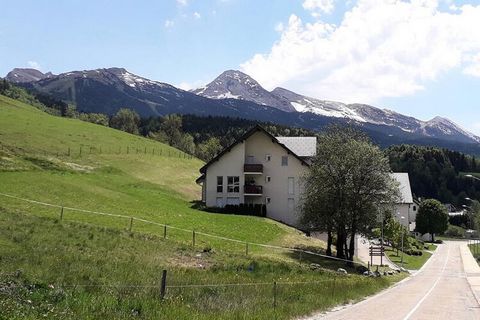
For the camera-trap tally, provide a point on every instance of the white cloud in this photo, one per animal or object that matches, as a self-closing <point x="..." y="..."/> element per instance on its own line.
<point x="382" y="48"/>
<point x="34" y="65"/>
<point x="318" y="7"/>
<point x="196" y="15"/>
<point x="279" y="27"/>
<point x="169" y="23"/>
<point x="182" y="3"/>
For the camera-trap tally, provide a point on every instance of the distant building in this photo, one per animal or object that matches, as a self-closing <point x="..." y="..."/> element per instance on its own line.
<point x="407" y="208"/>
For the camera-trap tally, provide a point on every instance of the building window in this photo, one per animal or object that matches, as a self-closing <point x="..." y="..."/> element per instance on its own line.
<point x="268" y="200"/>
<point x="250" y="159"/>
<point x="220" y="184"/>
<point x="233" y="184"/>
<point x="219" y="202"/>
<point x="268" y="157"/>
<point x="284" y="161"/>
<point x="291" y="185"/>
<point x="268" y="179"/>
<point x="414" y="208"/>
<point x="291" y="205"/>
<point x="233" y="201"/>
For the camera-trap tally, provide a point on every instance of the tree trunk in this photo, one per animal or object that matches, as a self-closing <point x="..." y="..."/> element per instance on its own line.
<point x="340" y="243"/>
<point x="351" y="250"/>
<point x="329" y="242"/>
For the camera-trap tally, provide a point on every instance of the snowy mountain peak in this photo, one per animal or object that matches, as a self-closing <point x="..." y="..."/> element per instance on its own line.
<point x="234" y="84"/>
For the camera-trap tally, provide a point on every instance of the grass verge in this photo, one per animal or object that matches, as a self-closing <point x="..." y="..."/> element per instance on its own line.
<point x="67" y="270"/>
<point x="409" y="262"/>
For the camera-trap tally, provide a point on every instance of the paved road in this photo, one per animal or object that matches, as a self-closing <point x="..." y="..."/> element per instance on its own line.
<point x="448" y="287"/>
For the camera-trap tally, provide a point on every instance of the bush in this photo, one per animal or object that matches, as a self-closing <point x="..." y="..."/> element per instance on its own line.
<point x="455" y="232"/>
<point x="413" y="252"/>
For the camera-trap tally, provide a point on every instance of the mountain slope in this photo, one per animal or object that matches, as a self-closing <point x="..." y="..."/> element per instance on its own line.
<point x="237" y="85"/>
<point x="108" y="90"/>
<point x="25" y="75"/>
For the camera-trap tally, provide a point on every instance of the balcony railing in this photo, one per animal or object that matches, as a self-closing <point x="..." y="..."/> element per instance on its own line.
<point x="253" y="168"/>
<point x="253" y="190"/>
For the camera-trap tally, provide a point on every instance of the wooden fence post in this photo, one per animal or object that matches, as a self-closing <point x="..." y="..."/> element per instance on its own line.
<point x="131" y="224"/>
<point x="69" y="151"/>
<point x="274" y="295"/>
<point x="165" y="232"/>
<point x="163" y="285"/>
<point x="61" y="214"/>
<point x="193" y="238"/>
<point x="246" y="248"/>
<point x="80" y="150"/>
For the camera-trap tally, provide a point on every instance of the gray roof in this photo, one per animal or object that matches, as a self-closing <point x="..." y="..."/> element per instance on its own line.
<point x="405" y="190"/>
<point x="302" y="146"/>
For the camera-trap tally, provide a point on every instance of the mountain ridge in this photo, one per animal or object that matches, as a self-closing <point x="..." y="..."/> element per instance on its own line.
<point x="222" y="87"/>
<point x="235" y="94"/>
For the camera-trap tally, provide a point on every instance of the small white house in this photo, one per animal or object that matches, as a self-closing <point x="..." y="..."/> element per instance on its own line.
<point x="405" y="212"/>
<point x="259" y="168"/>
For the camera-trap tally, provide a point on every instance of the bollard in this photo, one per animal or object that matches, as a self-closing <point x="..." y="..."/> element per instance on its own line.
<point x="193" y="238"/>
<point x="61" y="214"/>
<point x="165" y="232"/>
<point x="131" y="225"/>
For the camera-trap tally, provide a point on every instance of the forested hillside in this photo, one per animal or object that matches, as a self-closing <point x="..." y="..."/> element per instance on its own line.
<point x="437" y="173"/>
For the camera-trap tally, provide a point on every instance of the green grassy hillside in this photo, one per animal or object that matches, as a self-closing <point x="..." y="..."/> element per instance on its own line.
<point x="153" y="181"/>
<point x="90" y="266"/>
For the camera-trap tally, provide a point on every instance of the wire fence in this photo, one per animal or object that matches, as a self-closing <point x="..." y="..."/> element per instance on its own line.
<point x="194" y="234"/>
<point x="241" y="298"/>
<point x="84" y="150"/>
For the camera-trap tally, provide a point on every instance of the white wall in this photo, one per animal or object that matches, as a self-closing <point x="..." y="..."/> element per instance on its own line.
<point x="259" y="145"/>
<point x="406" y="210"/>
<point x="231" y="164"/>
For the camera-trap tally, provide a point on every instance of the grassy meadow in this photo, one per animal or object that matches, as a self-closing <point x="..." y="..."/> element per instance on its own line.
<point x="92" y="266"/>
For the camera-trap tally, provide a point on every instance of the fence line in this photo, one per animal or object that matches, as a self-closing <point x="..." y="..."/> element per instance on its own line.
<point x="85" y="149"/>
<point x="186" y="286"/>
<point x="182" y="229"/>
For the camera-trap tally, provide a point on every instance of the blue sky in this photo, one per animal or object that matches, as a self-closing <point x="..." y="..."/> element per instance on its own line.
<point x="418" y="57"/>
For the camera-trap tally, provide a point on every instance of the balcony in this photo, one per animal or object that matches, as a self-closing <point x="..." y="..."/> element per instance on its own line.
<point x="252" y="190"/>
<point x="251" y="168"/>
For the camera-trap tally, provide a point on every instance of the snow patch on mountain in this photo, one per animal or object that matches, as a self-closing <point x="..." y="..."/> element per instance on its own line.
<point x="237" y="85"/>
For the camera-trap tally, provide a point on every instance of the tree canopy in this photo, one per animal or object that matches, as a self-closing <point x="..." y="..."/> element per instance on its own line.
<point x="347" y="188"/>
<point x="126" y="120"/>
<point x="432" y="217"/>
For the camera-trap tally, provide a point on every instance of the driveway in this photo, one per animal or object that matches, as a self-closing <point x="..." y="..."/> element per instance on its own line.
<point x="443" y="289"/>
<point x="363" y="254"/>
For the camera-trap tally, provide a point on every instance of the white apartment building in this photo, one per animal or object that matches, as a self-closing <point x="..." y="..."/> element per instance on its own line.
<point x="260" y="169"/>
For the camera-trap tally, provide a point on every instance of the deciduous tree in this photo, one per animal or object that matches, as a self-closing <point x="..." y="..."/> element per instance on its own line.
<point x="348" y="186"/>
<point x="432" y="217"/>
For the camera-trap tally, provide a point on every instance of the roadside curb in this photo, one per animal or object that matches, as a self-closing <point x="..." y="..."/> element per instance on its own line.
<point x="472" y="271"/>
